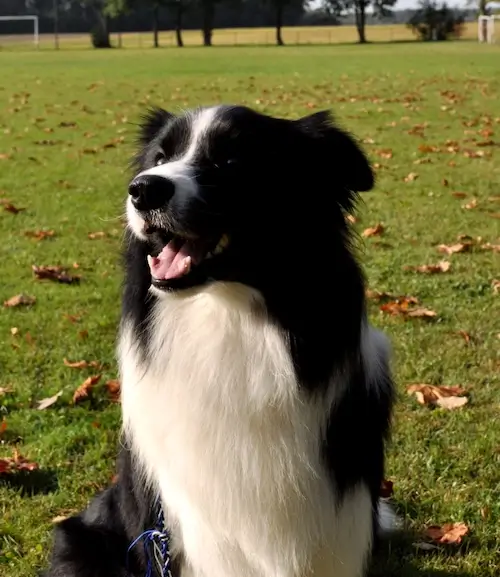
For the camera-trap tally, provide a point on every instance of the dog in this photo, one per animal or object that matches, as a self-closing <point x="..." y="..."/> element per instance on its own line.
<point x="256" y="397"/>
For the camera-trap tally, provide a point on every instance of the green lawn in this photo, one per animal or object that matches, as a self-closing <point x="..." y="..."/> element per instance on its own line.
<point x="445" y="465"/>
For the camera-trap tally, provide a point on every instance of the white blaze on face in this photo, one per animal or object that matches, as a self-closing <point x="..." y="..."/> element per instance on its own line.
<point x="180" y="171"/>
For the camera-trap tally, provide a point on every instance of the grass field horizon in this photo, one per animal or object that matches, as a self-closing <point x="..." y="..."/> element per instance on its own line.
<point x="292" y="36"/>
<point x="427" y="116"/>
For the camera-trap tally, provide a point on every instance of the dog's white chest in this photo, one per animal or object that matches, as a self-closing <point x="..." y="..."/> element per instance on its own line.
<point x="217" y="421"/>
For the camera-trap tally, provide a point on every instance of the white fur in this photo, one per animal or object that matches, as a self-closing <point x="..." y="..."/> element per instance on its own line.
<point x="180" y="170"/>
<point x="220" y="428"/>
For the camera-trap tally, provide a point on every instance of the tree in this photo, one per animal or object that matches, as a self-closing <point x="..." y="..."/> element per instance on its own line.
<point x="279" y="8"/>
<point x="433" y="22"/>
<point x="340" y="8"/>
<point x="178" y="8"/>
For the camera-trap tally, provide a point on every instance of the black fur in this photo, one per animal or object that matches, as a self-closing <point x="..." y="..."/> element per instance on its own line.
<point x="281" y="188"/>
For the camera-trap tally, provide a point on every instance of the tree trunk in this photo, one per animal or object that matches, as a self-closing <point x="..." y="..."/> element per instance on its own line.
<point x="279" y="22"/>
<point x="178" y="24"/>
<point x="100" y="32"/>
<point x="156" y="26"/>
<point x="120" y="43"/>
<point x="482" y="7"/>
<point x="208" y="21"/>
<point x="360" y="21"/>
<point x="56" y="24"/>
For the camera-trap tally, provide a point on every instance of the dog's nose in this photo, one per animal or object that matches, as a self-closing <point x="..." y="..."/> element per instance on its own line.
<point x="150" y="191"/>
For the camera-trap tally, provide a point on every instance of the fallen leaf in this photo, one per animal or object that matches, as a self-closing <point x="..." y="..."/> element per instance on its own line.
<point x="58" y="519"/>
<point x="83" y="334"/>
<point x="5" y="390"/>
<point x="470" y="205"/>
<point x="459" y="194"/>
<point x="455" y="248"/>
<point x="425" y="160"/>
<point x="445" y="182"/>
<point x="9" y="207"/>
<point x="72" y="318"/>
<point x="95" y="235"/>
<point x="442" y="266"/>
<point x="16" y="463"/>
<point x="495" y="285"/>
<point x="39" y="234"/>
<point x="427" y="148"/>
<point x="421" y="312"/>
<point x="404" y="307"/>
<point x="82" y="364"/>
<point x="382" y="296"/>
<point x="48" y="402"/>
<point x="384" y="153"/>
<point x="386" y="489"/>
<point x="3" y="426"/>
<point x="84" y="390"/>
<point x="14" y="331"/>
<point x="352" y="219"/>
<point x="465" y="335"/>
<point x="411" y="177"/>
<point x="19" y="300"/>
<point x="489" y="246"/>
<point x="113" y="387"/>
<point x="449" y="533"/>
<point x="55" y="273"/>
<point x="445" y="397"/>
<point x="65" y="124"/>
<point x="376" y="230"/>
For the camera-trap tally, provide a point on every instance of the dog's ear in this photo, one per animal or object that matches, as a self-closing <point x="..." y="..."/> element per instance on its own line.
<point x="338" y="151"/>
<point x="151" y="123"/>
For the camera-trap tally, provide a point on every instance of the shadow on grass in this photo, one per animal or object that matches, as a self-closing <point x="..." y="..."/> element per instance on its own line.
<point x="31" y="483"/>
<point x="397" y="557"/>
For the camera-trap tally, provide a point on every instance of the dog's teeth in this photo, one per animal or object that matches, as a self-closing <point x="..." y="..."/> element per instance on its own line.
<point x="150" y="260"/>
<point x="187" y="264"/>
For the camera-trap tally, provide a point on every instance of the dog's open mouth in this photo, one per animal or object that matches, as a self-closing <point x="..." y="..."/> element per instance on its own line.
<point x="180" y="257"/>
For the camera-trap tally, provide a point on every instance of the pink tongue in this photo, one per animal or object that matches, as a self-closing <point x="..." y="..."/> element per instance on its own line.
<point x="172" y="262"/>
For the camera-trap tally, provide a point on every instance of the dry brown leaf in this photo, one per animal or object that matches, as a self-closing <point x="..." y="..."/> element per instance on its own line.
<point x="16" y="463"/>
<point x="84" y="390"/>
<point x="421" y="312"/>
<point x="113" y="388"/>
<point x="425" y="160"/>
<point x="65" y="124"/>
<point x="82" y="364"/>
<point x="40" y="234"/>
<point x="495" y="285"/>
<point x="445" y="397"/>
<point x="489" y="246"/>
<point x="48" y="402"/>
<point x="449" y="533"/>
<point x="14" y="331"/>
<point x="405" y="307"/>
<point x="19" y="300"/>
<point x="384" y="153"/>
<point x="442" y="266"/>
<point x="459" y="194"/>
<point x="6" y="390"/>
<point x="95" y="235"/>
<point x="427" y="148"/>
<point x="445" y="182"/>
<point x="9" y="207"/>
<point x="470" y="205"/>
<point x="465" y="335"/>
<point x="411" y="177"/>
<point x="376" y="230"/>
<point x="55" y="273"/>
<point x="455" y="248"/>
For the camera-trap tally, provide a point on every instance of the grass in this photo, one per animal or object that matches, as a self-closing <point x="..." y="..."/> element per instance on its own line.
<point x="293" y="35"/>
<point x="444" y="464"/>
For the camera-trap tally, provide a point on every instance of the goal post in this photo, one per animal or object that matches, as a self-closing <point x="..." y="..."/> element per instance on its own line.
<point x="34" y="19"/>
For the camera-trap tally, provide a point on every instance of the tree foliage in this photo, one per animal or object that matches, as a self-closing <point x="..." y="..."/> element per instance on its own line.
<point x="436" y="22"/>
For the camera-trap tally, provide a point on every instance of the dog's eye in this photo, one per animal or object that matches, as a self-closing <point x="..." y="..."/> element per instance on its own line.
<point x="232" y="162"/>
<point x="160" y="158"/>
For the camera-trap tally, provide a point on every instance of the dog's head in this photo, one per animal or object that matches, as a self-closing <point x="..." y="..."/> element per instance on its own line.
<point x="226" y="193"/>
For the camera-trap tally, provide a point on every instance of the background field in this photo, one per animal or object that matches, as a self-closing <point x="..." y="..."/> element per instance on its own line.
<point x="66" y="131"/>
<point x="231" y="37"/>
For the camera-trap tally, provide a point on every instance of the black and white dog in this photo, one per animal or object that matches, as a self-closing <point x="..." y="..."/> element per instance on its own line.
<point x="256" y="397"/>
